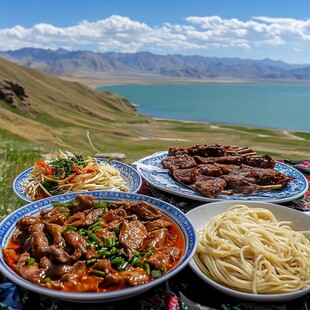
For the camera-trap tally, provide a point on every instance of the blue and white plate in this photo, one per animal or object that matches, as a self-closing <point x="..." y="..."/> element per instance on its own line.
<point x="152" y="171"/>
<point x="130" y="175"/>
<point x="8" y="226"/>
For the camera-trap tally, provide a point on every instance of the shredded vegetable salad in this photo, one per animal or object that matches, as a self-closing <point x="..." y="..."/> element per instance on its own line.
<point x="69" y="172"/>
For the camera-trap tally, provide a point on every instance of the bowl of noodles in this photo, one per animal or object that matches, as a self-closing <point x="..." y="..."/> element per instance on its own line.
<point x="71" y="172"/>
<point x="254" y="251"/>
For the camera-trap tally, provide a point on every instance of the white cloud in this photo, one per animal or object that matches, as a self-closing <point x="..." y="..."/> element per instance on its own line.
<point x="119" y="33"/>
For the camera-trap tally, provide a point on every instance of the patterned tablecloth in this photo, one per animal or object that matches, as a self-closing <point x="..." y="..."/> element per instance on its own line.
<point x="183" y="291"/>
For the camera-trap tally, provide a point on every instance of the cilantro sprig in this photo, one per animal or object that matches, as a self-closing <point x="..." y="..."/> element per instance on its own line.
<point x="64" y="166"/>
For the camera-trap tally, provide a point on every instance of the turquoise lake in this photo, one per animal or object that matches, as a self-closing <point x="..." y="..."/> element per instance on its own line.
<point x="269" y="105"/>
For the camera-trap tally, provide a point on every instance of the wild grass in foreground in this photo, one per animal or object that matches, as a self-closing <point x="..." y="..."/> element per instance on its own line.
<point x="14" y="158"/>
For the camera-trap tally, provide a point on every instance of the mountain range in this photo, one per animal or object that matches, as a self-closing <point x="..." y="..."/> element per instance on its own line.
<point x="62" y="62"/>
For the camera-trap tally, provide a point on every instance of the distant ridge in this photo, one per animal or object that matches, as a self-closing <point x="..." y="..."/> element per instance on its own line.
<point x="62" y="62"/>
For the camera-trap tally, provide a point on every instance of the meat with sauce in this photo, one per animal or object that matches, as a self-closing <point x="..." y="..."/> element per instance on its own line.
<point x="86" y="248"/>
<point x="163" y="257"/>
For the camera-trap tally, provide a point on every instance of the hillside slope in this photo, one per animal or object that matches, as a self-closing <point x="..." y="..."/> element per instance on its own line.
<point x="62" y="113"/>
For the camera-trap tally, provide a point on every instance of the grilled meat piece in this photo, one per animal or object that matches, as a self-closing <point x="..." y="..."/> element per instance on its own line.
<point x="214" y="150"/>
<point x="204" y="150"/>
<point x="178" y="162"/>
<point x="207" y="169"/>
<point x="264" y="176"/>
<point x="177" y="151"/>
<point x="209" y="186"/>
<point x="235" y="180"/>
<point x="234" y="160"/>
<point x="183" y="175"/>
<point x="265" y="161"/>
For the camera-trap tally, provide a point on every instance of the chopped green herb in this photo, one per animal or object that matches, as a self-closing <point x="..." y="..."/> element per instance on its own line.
<point x="30" y="261"/>
<point x="155" y="273"/>
<point x="64" y="166"/>
<point x="91" y="261"/>
<point x="99" y="273"/>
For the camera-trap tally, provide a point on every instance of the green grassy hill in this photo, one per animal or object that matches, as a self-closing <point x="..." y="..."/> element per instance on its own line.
<point x="61" y="113"/>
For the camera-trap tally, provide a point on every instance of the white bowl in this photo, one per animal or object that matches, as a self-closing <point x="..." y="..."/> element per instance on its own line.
<point x="204" y="213"/>
<point x="7" y="227"/>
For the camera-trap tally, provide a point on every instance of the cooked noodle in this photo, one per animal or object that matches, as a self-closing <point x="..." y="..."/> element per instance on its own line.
<point x="93" y="175"/>
<point x="249" y="250"/>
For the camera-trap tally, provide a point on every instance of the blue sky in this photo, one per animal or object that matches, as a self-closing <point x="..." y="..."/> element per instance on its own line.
<point x="255" y="29"/>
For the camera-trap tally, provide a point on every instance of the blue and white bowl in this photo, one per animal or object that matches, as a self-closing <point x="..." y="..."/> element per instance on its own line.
<point x="7" y="227"/>
<point x="130" y="175"/>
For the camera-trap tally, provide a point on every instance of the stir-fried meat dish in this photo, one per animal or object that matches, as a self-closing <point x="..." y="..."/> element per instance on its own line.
<point x="214" y="169"/>
<point x="88" y="246"/>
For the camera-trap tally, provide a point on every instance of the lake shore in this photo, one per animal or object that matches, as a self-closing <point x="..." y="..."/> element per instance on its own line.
<point x="97" y="80"/>
<point x="246" y="104"/>
<point x="268" y="139"/>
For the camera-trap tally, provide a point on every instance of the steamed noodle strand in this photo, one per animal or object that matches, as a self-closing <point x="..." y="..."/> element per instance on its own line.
<point x="247" y="249"/>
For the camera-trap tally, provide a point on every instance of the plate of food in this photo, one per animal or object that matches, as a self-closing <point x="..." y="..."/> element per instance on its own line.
<point x="69" y="172"/>
<point x="214" y="172"/>
<point x="252" y="250"/>
<point x="96" y="246"/>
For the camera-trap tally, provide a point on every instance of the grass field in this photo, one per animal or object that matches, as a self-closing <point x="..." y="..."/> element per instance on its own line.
<point x="15" y="156"/>
<point x="18" y="154"/>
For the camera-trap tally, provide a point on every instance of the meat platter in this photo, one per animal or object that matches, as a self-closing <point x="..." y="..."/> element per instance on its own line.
<point x="222" y="172"/>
